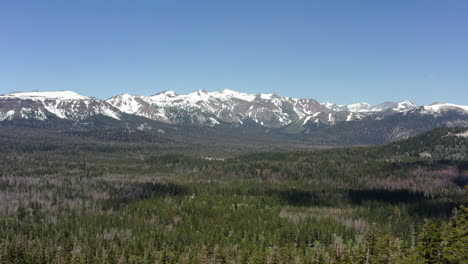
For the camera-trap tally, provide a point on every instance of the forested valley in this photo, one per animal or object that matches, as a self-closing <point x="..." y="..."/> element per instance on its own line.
<point x="113" y="197"/>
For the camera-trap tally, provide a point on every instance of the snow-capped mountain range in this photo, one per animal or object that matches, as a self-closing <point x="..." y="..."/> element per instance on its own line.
<point x="227" y="106"/>
<point x="204" y="108"/>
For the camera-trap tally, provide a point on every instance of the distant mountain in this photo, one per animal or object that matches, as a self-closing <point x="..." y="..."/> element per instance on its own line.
<point x="367" y="108"/>
<point x="231" y="107"/>
<point x="440" y="108"/>
<point x="387" y="127"/>
<point x="200" y="107"/>
<point x="61" y="104"/>
<point x="221" y="107"/>
<point x="358" y="123"/>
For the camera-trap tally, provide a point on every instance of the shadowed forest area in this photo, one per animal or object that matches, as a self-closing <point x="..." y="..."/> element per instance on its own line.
<point x="96" y="199"/>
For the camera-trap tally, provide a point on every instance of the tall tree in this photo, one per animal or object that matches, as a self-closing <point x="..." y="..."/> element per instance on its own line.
<point x="455" y="236"/>
<point x="430" y="243"/>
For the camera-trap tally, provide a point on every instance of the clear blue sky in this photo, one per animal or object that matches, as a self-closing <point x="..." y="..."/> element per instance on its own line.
<point x="339" y="51"/>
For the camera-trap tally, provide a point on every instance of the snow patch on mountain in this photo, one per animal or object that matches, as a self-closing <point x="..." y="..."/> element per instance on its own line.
<point x="127" y="103"/>
<point x="406" y="105"/>
<point x="7" y="115"/>
<point x="306" y="120"/>
<point x="62" y="95"/>
<point x="227" y="94"/>
<point x="359" y="107"/>
<point x="463" y="134"/>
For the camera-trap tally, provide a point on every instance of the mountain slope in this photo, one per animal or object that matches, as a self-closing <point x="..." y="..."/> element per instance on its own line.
<point x="384" y="127"/>
<point x="439" y="144"/>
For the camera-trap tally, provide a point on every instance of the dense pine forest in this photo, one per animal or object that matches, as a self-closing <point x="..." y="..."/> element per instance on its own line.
<point x="133" y="197"/>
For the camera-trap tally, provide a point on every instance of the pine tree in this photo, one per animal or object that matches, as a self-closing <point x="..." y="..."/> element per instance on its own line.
<point x="122" y="259"/>
<point x="370" y="243"/>
<point x="76" y="255"/>
<point x="245" y="258"/>
<point x="164" y="258"/>
<point x="429" y="244"/>
<point x="274" y="257"/>
<point x="338" y="247"/>
<point x="258" y="258"/>
<point x="387" y="250"/>
<point x="218" y="255"/>
<point x="455" y="237"/>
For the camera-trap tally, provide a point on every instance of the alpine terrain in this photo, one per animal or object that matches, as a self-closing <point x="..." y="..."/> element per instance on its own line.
<point x="320" y="122"/>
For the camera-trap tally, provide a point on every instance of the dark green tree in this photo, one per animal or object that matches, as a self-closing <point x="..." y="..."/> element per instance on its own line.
<point x="430" y="243"/>
<point x="455" y="237"/>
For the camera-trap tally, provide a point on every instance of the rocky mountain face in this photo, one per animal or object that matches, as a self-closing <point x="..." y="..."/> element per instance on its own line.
<point x="226" y="108"/>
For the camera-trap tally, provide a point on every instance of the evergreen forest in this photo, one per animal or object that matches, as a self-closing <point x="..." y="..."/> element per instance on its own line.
<point x="106" y="196"/>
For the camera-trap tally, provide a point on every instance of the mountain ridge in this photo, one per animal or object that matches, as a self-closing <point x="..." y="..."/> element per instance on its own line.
<point x="203" y="107"/>
<point x="355" y="123"/>
<point x="228" y="106"/>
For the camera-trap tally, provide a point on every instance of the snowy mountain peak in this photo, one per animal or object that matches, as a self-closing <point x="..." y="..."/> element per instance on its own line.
<point x="267" y="96"/>
<point x="367" y="108"/>
<point x="61" y="104"/>
<point x="162" y="96"/>
<point x="403" y="104"/>
<point x="228" y="91"/>
<point x="334" y="107"/>
<point x="359" y="107"/>
<point x="440" y="107"/>
<point x="328" y="105"/>
<point x="62" y="95"/>
<point x="227" y="94"/>
<point x="167" y="93"/>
